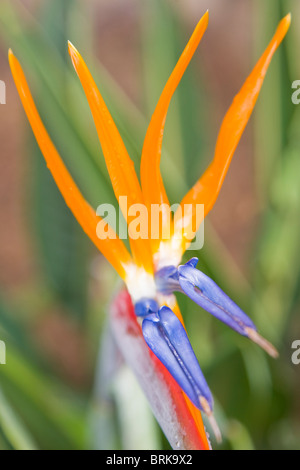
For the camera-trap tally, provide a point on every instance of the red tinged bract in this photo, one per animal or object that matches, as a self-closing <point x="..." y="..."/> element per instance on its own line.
<point x="176" y="415"/>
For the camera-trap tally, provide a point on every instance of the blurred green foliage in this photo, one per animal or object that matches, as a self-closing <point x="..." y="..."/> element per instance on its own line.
<point x="256" y="398"/>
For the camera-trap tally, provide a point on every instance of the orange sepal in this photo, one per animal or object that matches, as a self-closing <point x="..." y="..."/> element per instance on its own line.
<point x="112" y="247"/>
<point x="207" y="188"/>
<point x="120" y="166"/>
<point x="152" y="184"/>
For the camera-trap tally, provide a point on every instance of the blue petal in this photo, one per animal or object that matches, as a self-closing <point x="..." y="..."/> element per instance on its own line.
<point x="167" y="280"/>
<point x="145" y="306"/>
<point x="166" y="337"/>
<point x="205" y="292"/>
<point x="192" y="262"/>
<point x="166" y="272"/>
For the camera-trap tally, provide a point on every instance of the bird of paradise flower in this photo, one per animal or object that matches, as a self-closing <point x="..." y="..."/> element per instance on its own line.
<point x="157" y="347"/>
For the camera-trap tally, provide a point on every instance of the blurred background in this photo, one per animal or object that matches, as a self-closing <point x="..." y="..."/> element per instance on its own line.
<point x="61" y="388"/>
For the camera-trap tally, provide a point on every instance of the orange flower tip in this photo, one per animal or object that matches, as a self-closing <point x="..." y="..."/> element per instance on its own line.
<point x="71" y="47"/>
<point x="285" y="24"/>
<point x="204" y="20"/>
<point x="11" y="57"/>
<point x="74" y="54"/>
<point x="212" y="420"/>
<point x="262" y="342"/>
<point x="288" y="18"/>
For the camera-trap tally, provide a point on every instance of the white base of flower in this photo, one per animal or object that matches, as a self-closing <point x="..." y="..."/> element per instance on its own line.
<point x="168" y="254"/>
<point x="139" y="283"/>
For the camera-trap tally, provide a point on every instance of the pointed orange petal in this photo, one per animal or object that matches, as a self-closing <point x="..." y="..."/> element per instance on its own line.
<point x="152" y="184"/>
<point x="119" y="165"/>
<point x="206" y="190"/>
<point x="112" y="248"/>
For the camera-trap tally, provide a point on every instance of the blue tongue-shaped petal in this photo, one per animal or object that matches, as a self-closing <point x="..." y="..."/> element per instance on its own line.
<point x="166" y="337"/>
<point x="205" y="292"/>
